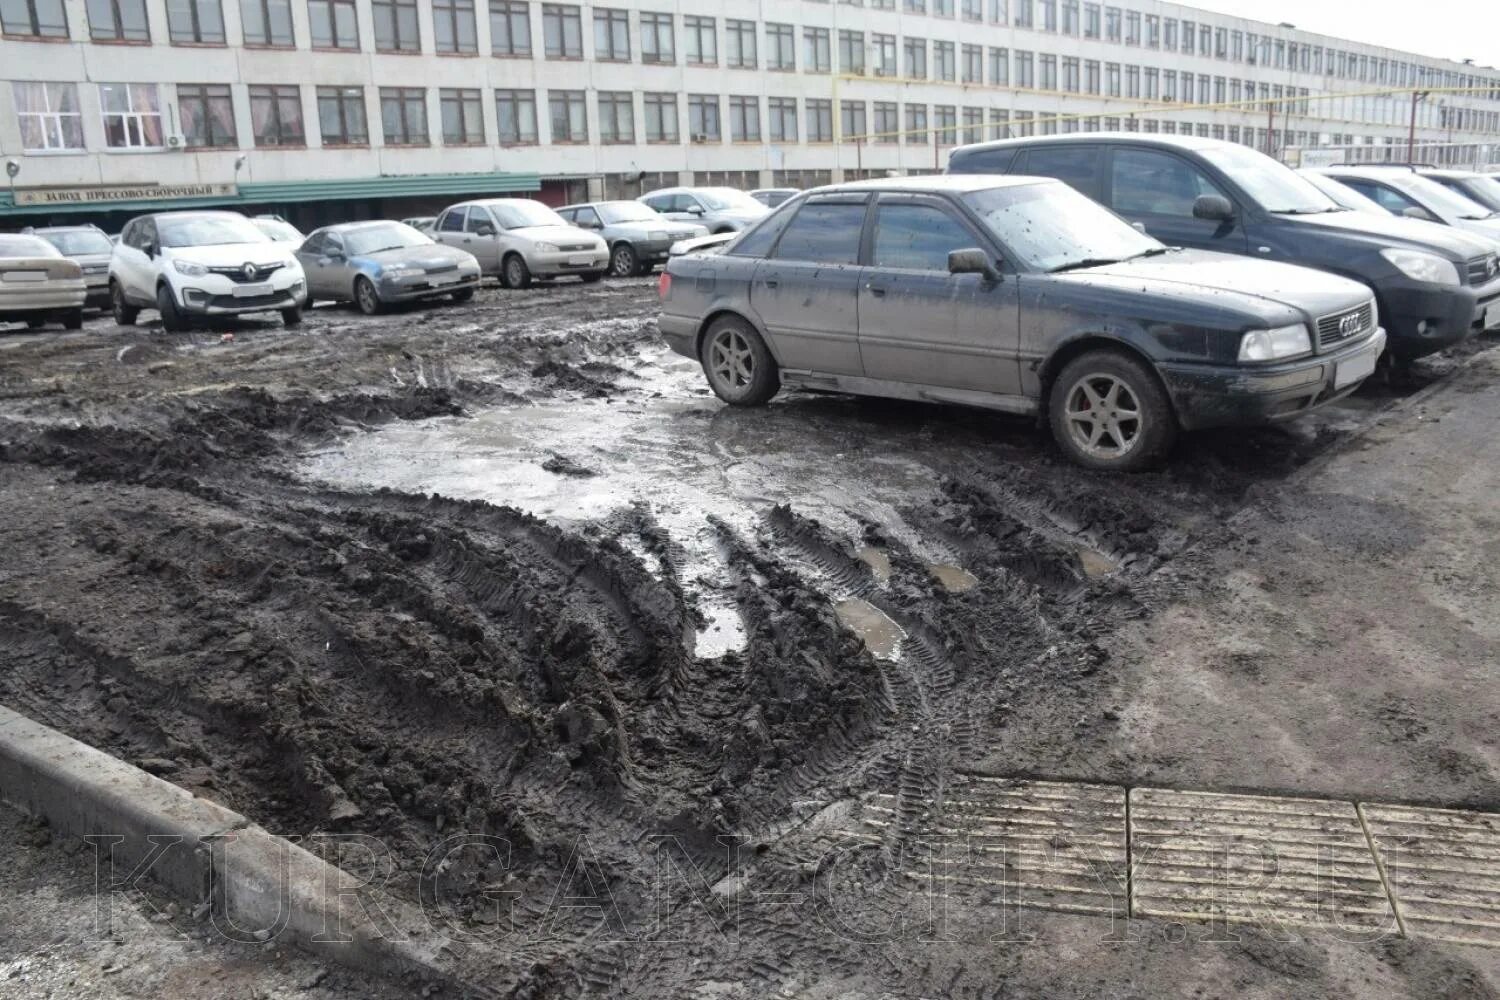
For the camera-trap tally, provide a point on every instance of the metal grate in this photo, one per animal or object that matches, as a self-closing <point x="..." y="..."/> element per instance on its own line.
<point x="1481" y="269"/>
<point x="1346" y="325"/>
<point x="237" y="273"/>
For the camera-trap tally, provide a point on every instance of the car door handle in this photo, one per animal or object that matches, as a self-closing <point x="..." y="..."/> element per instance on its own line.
<point x="876" y="290"/>
<point x="773" y="283"/>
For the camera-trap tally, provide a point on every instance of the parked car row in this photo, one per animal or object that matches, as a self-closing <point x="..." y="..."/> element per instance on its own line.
<point x="1120" y="287"/>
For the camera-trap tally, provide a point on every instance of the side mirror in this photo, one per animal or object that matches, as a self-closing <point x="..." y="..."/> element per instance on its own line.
<point x="149" y="249"/>
<point x="972" y="261"/>
<point x="1214" y="207"/>
<point x="485" y="230"/>
<point x="335" y="255"/>
<point x="695" y="210"/>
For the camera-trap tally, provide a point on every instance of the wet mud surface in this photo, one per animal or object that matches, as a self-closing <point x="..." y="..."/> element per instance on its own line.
<point x="507" y="570"/>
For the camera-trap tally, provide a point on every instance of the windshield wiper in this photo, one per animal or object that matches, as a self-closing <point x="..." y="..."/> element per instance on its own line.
<point x="1153" y="252"/>
<point x="1075" y="265"/>
<point x="1301" y="211"/>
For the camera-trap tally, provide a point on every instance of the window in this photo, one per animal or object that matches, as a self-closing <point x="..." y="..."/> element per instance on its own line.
<point x="783" y="112"/>
<point x="452" y="221"/>
<point x="973" y="65"/>
<point x="943" y="60"/>
<point x="118" y="21"/>
<point x="33" y="18"/>
<point x="1049" y="15"/>
<point x="945" y="124"/>
<point x="744" y="119"/>
<point x="816" y="50"/>
<point x="658" y="45"/>
<point x="196" y="22"/>
<point x="49" y="116"/>
<point x="1070" y="17"/>
<point x="1000" y="67"/>
<point x="276" y="116"/>
<point x="1048" y="63"/>
<point x="396" y="26"/>
<point x="1390" y="200"/>
<point x="824" y="233"/>
<point x="478" y="219"/>
<point x="917" y="237"/>
<point x="463" y="119"/>
<point x="703" y="118"/>
<point x="700" y="37"/>
<point x="562" y="31"/>
<point x="334" y="25"/>
<point x="1090" y="20"/>
<point x="616" y="116"/>
<point x="819" y="120"/>
<point x="1147" y="182"/>
<point x="973" y="125"/>
<point x="611" y="35"/>
<point x="781" y="47"/>
<point x="852" y="121"/>
<point x="403" y="115"/>
<point x="132" y="115"/>
<point x="916" y="124"/>
<point x="453" y="27"/>
<point x="515" y="117"/>
<point x="852" y="52"/>
<point x="510" y="28"/>
<point x="739" y="44"/>
<point x="915" y="50"/>
<point x="568" y="116"/>
<point x="1071" y="81"/>
<point x="1022" y="17"/>
<point x="1025" y="76"/>
<point x="1112" y="19"/>
<point x="207" y="115"/>
<point x="661" y="117"/>
<point x="1091" y="76"/>
<point x="1076" y="166"/>
<point x="267" y="22"/>
<point x="887" y="122"/>
<point x="1133" y="28"/>
<point x="341" y="116"/>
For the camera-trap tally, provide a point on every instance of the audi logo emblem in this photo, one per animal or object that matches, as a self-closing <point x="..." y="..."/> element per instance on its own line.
<point x="249" y="272"/>
<point x="1349" y="325"/>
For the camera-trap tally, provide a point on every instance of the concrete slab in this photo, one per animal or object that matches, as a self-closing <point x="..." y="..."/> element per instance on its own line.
<point x="1443" y="868"/>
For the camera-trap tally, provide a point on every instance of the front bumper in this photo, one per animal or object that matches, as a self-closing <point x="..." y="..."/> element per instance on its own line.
<point x="1230" y="395"/>
<point x="216" y="297"/>
<point x="426" y="286"/>
<point x="1423" y="318"/>
<point x="98" y="292"/>
<point x="574" y="262"/>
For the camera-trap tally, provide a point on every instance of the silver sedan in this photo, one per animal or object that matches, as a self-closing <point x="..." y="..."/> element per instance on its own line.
<point x="374" y="264"/>
<point x="37" y="283"/>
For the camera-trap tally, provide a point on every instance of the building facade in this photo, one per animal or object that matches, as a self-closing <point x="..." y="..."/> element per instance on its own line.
<point x="327" y="108"/>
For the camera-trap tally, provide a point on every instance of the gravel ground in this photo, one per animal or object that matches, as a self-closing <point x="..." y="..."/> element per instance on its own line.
<point x="564" y="599"/>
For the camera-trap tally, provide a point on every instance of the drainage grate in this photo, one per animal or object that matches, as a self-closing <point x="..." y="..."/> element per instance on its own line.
<point x="1254" y="860"/>
<point x="1443" y="867"/>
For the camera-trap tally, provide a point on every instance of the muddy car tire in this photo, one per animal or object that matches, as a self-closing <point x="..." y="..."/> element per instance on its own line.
<point x="624" y="262"/>
<point x="171" y="317"/>
<point x="1108" y="411"/>
<point x="514" y="273"/>
<point x="73" y="319"/>
<point x="292" y="316"/>
<point x="463" y="295"/>
<point x="738" y="363"/>
<point x="125" y="314"/>
<point x="366" y="298"/>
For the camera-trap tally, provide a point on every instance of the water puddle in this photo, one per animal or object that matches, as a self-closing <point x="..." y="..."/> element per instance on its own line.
<point x="878" y="561"/>
<point x="724" y="633"/>
<point x="882" y="636"/>
<point x="1096" y="563"/>
<point x="955" y="579"/>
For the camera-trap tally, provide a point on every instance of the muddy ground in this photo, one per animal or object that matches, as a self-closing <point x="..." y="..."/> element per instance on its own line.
<point x="562" y="598"/>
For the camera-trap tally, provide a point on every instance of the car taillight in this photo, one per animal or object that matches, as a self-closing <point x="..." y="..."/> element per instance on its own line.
<point x="664" y="286"/>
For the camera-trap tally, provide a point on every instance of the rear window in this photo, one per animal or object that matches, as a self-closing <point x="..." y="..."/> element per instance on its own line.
<point x="982" y="161"/>
<point x="26" y="246"/>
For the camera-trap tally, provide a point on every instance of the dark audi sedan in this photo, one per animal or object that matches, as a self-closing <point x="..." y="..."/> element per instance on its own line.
<point x="1017" y="294"/>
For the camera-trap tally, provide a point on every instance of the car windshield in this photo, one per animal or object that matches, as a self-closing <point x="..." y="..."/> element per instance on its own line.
<point x="728" y="199"/>
<point x="1441" y="200"/>
<point x="615" y="212"/>
<point x="26" y="246"/>
<point x="387" y="236"/>
<point x="72" y="242"/>
<point x="521" y="214"/>
<point x="1051" y="226"/>
<point x="1486" y="191"/>
<point x="1275" y="187"/>
<point x="207" y="231"/>
<point x="281" y="232"/>
<point x="1344" y="195"/>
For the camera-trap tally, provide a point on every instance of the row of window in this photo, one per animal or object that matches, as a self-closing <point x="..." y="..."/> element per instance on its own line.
<point x="334" y="25"/>
<point x="132" y="117"/>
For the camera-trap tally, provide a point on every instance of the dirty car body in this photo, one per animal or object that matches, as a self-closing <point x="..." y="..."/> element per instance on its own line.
<point x="400" y="263"/>
<point x="91" y="249"/>
<point x="869" y="288"/>
<point x="37" y="283"/>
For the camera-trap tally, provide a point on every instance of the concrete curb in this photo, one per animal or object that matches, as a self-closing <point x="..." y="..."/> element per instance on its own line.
<point x="256" y="886"/>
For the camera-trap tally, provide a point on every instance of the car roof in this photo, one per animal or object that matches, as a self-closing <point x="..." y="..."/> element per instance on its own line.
<point x="40" y="230"/>
<point x="344" y="227"/>
<point x="1454" y="174"/>
<point x="497" y="201"/>
<point x="954" y="183"/>
<point x="1076" y="138"/>
<point x="595" y="204"/>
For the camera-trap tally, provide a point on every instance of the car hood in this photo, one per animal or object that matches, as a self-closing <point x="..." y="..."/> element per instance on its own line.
<point x="426" y="257"/>
<point x="1385" y="231"/>
<point x="557" y="234"/>
<point x="1485" y="229"/>
<point x="644" y="230"/>
<point x="1231" y="280"/>
<point x="88" y="260"/>
<point x="235" y="254"/>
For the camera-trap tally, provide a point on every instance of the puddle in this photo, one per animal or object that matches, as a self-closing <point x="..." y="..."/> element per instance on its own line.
<point x="724" y="633"/>
<point x="881" y="635"/>
<point x="878" y="561"/>
<point x="955" y="579"/>
<point x="1096" y="563"/>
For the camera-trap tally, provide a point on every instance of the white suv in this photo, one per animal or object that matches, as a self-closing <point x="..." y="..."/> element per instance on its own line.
<point x="190" y="266"/>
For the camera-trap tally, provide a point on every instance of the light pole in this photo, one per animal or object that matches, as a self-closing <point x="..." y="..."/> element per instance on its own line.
<point x="1417" y="97"/>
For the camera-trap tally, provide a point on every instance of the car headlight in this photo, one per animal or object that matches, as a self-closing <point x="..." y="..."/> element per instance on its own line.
<point x="546" y="248"/>
<point x="1421" y="266"/>
<point x="401" y="272"/>
<point x="188" y="268"/>
<point x="1282" y="342"/>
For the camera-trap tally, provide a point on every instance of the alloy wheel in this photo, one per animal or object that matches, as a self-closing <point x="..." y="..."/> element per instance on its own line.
<point x="1103" y="416"/>
<point x="731" y="360"/>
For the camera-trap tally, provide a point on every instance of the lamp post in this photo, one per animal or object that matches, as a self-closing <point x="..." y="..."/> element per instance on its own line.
<point x="1417" y="97"/>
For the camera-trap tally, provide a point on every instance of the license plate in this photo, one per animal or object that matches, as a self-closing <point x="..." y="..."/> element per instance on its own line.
<point x="441" y="279"/>
<point x="25" y="275"/>
<point x="1492" y="316"/>
<point x="1356" y="368"/>
<point x="251" y="291"/>
<point x="580" y="261"/>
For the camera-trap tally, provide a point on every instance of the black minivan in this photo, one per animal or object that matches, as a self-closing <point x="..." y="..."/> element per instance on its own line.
<point x="1433" y="289"/>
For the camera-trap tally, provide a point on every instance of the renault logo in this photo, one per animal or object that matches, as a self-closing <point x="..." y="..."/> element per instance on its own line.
<point x="1349" y="325"/>
<point x="249" y="272"/>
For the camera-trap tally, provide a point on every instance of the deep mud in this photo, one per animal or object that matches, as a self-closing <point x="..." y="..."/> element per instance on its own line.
<point x="563" y="598"/>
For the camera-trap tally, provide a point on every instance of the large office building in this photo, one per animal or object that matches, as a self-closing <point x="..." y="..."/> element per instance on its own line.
<point x="324" y="109"/>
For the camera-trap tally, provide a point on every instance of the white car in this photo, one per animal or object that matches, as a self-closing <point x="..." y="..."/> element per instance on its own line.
<point x="520" y="239"/>
<point x="191" y="266"/>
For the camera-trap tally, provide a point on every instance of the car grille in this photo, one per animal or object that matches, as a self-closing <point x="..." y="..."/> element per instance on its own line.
<point x="576" y="247"/>
<point x="1346" y="325"/>
<point x="442" y="269"/>
<point x="273" y="300"/>
<point x="95" y="268"/>
<point x="237" y="274"/>
<point x="1482" y="269"/>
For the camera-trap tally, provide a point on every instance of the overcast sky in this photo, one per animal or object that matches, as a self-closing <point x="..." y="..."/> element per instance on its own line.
<point x="1448" y="29"/>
